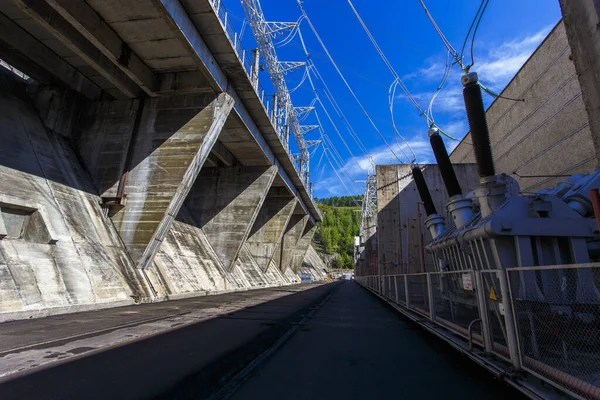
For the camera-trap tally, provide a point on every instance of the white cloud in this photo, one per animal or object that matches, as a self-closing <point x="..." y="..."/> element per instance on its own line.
<point x="502" y="62"/>
<point x="495" y="64"/>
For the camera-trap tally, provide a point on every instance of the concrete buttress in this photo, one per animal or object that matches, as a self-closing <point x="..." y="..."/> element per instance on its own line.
<point x="225" y="203"/>
<point x="293" y="233"/>
<point x="268" y="229"/>
<point x="299" y="252"/>
<point x="175" y="138"/>
<point x="59" y="252"/>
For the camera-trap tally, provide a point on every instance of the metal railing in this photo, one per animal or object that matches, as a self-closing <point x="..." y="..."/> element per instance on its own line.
<point x="246" y="60"/>
<point x="542" y="320"/>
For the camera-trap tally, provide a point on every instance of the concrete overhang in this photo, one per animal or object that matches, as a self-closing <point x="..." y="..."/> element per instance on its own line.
<point x="208" y="40"/>
<point x="133" y="48"/>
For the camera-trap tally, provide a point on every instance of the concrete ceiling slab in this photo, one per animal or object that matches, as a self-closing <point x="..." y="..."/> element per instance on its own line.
<point x="159" y="48"/>
<point x="195" y="6"/>
<point x="208" y="22"/>
<point x="12" y="11"/>
<point x="34" y="29"/>
<point x="58" y="47"/>
<point x="143" y="30"/>
<point x="119" y="10"/>
<point x="171" y="63"/>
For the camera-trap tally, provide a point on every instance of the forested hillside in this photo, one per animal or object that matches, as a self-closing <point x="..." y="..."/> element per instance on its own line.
<point x="335" y="234"/>
<point x="341" y="201"/>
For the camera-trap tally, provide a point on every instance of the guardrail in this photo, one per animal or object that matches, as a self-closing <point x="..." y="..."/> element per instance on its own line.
<point x="246" y="60"/>
<point x="542" y="320"/>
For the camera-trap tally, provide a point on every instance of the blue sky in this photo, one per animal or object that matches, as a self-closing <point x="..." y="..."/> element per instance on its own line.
<point x="509" y="32"/>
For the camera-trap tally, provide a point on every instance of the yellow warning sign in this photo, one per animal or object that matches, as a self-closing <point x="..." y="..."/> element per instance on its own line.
<point x="493" y="294"/>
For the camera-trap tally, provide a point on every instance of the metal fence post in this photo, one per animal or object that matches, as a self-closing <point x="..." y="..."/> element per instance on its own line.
<point x="406" y="291"/>
<point x="396" y="286"/>
<point x="509" y="319"/>
<point x="483" y="314"/>
<point x="430" y="297"/>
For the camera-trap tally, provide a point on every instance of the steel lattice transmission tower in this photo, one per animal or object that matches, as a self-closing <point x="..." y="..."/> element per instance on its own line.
<point x="263" y="33"/>
<point x="369" y="204"/>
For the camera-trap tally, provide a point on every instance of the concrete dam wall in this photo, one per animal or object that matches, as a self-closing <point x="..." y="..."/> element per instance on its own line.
<point x="62" y="251"/>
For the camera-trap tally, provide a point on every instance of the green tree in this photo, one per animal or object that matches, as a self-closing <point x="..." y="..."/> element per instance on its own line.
<point x="336" y="232"/>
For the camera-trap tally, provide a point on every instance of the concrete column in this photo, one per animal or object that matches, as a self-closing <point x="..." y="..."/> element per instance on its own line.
<point x="274" y="112"/>
<point x="293" y="233"/>
<point x="269" y="227"/>
<point x="175" y="138"/>
<point x="299" y="251"/>
<point x="582" y="20"/>
<point x="225" y="203"/>
<point x="255" y="67"/>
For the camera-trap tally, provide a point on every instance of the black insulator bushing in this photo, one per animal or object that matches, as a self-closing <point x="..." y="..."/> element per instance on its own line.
<point x="444" y="164"/>
<point x="423" y="191"/>
<point x="480" y="135"/>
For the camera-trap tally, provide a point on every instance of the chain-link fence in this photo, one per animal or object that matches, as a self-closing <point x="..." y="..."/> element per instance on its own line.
<point x="495" y="311"/>
<point x="454" y="300"/>
<point x="557" y="318"/>
<point x="545" y="320"/>
<point x="401" y="285"/>
<point x="418" y="292"/>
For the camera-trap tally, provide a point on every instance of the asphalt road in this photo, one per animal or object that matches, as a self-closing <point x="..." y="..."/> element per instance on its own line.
<point x="355" y="347"/>
<point x="342" y="343"/>
<point x="208" y="351"/>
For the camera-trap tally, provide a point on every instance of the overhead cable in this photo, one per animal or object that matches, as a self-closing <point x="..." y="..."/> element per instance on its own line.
<point x="475" y="23"/>
<point x="314" y="30"/>
<point x="397" y="81"/>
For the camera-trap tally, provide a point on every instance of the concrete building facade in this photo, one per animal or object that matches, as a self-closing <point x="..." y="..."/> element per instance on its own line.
<point x="397" y="234"/>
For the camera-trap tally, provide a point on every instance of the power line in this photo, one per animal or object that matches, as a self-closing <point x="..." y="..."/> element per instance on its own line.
<point x="476" y="22"/>
<point x="331" y="98"/>
<point x="397" y="82"/>
<point x="441" y="85"/>
<point x="312" y="27"/>
<point x="445" y="41"/>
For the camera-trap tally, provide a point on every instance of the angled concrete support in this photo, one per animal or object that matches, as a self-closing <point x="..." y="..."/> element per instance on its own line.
<point x="225" y="203"/>
<point x="299" y="251"/>
<point x="176" y="136"/>
<point x="268" y="230"/>
<point x="293" y="233"/>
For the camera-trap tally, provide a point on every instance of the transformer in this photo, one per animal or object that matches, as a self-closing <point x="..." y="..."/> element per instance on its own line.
<point x="495" y="227"/>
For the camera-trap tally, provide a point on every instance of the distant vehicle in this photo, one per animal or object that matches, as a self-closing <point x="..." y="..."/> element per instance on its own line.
<point x="348" y="276"/>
